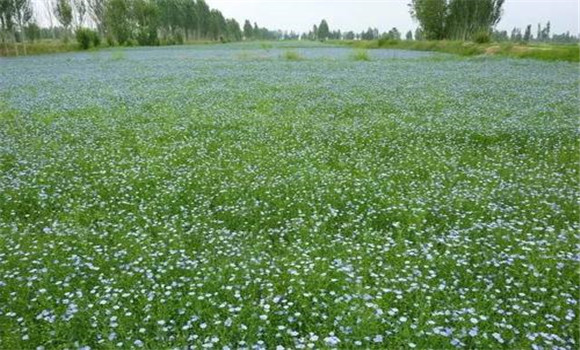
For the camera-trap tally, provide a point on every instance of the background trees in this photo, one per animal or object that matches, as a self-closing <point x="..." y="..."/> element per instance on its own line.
<point x="456" y="19"/>
<point x="154" y="22"/>
<point x="323" y="30"/>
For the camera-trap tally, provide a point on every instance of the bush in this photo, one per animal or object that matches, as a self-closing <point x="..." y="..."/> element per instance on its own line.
<point x="482" y="37"/>
<point x="110" y="40"/>
<point x="87" y="37"/>
<point x="83" y="36"/>
<point x="292" y="55"/>
<point x="96" y="39"/>
<point x="361" y="55"/>
<point x="385" y="42"/>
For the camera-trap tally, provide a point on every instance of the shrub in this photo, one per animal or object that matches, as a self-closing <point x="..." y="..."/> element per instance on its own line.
<point x="87" y="37"/>
<point x="385" y="42"/>
<point x="96" y="39"/>
<point x="110" y="40"/>
<point x="361" y="55"/>
<point x="482" y="37"/>
<point x="117" y="55"/>
<point x="84" y="37"/>
<point x="291" y="55"/>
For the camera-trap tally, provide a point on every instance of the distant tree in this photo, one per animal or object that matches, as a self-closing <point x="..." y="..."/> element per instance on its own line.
<point x="118" y="17"/>
<point x="234" y="33"/>
<point x="500" y="35"/>
<point x="516" y="35"/>
<point x="349" y="35"/>
<point x="146" y="14"/>
<point x="528" y="33"/>
<point x="456" y="19"/>
<point x="79" y="12"/>
<point x="393" y="34"/>
<point x="466" y="18"/>
<point x="431" y="15"/>
<point x="418" y="34"/>
<point x="22" y="16"/>
<point x="96" y="11"/>
<point x="409" y="35"/>
<point x="323" y="30"/>
<point x="545" y="33"/>
<point x="248" y="30"/>
<point x="32" y="32"/>
<point x="64" y="15"/>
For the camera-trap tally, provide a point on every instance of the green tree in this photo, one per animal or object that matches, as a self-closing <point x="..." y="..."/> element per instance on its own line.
<point x="431" y="15"/>
<point x="323" y="30"/>
<point x="147" y="21"/>
<point x="64" y="15"/>
<point x="409" y="35"/>
<point x="248" y="30"/>
<point x="233" y="30"/>
<point x="528" y="33"/>
<point x="96" y="11"/>
<point x="418" y="34"/>
<point x="466" y="18"/>
<point x="118" y="20"/>
<point x="456" y="19"/>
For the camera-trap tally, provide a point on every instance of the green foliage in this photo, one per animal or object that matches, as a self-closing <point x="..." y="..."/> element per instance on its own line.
<point x="117" y="55"/>
<point x="291" y="55"/>
<point x="64" y="12"/>
<point x="361" y="55"/>
<point x="455" y="19"/>
<point x="323" y="30"/>
<point x="248" y="30"/>
<point x="431" y="14"/>
<point x="118" y="20"/>
<point x="32" y="32"/>
<point x="482" y="37"/>
<point x="87" y="37"/>
<point x="546" y="52"/>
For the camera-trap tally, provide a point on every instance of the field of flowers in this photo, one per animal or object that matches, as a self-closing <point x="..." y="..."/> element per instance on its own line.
<point x="226" y="197"/>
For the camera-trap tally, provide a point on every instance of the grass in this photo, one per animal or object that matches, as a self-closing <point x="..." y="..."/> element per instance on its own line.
<point x="38" y="48"/>
<point x="570" y="53"/>
<point x="117" y="55"/>
<point x="292" y="55"/>
<point x="163" y="202"/>
<point x="361" y="55"/>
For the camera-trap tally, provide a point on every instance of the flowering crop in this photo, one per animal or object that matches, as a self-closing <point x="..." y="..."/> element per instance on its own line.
<point x="205" y="198"/>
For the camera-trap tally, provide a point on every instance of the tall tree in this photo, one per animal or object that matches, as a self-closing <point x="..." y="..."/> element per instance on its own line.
<point x="96" y="10"/>
<point x="248" y="30"/>
<point x="79" y="12"/>
<point x="147" y="21"/>
<point x="456" y="19"/>
<point x="528" y="33"/>
<point x="323" y="30"/>
<point x="431" y="15"/>
<point x="64" y="14"/>
<point x="22" y="16"/>
<point x="117" y="18"/>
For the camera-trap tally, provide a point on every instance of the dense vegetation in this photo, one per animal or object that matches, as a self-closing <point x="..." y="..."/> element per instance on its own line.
<point x="163" y="22"/>
<point x="231" y="196"/>
<point x="541" y="51"/>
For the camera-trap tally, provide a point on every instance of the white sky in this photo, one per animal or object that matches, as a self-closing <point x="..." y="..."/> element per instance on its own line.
<point x="358" y="15"/>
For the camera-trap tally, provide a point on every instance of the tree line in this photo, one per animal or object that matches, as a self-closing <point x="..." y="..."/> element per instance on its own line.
<point x="155" y="22"/>
<point x="122" y="22"/>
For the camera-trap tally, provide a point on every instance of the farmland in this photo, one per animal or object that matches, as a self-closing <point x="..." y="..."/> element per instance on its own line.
<point x="254" y="196"/>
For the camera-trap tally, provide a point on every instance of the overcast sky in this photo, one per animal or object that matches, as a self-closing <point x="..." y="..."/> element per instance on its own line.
<point x="358" y="15"/>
